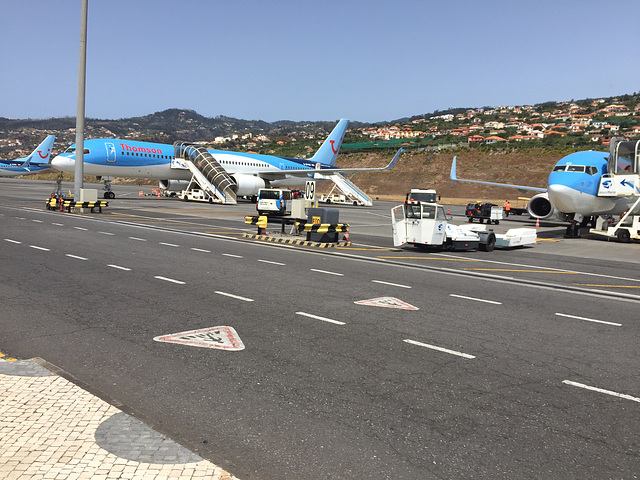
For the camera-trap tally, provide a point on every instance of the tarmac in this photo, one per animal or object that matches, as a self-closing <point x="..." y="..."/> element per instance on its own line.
<point x="53" y="429"/>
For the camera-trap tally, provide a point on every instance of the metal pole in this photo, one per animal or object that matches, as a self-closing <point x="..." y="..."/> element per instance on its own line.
<point x="82" y="71"/>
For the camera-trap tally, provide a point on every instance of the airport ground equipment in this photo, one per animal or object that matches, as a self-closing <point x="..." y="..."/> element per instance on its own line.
<point x="207" y="174"/>
<point x="627" y="228"/>
<point x="426" y="224"/>
<point x="484" y="211"/>
<point x="347" y="187"/>
<point x="196" y="195"/>
<point x="340" y="198"/>
<point x="274" y="201"/>
<point x="427" y="195"/>
<point x="59" y="203"/>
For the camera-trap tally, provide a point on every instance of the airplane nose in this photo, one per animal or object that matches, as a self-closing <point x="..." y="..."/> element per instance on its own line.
<point x="61" y="163"/>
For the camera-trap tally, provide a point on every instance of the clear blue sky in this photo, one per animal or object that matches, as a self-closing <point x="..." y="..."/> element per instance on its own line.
<point x="366" y="60"/>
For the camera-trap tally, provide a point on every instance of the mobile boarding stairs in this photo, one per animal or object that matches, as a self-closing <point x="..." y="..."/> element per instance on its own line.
<point x="206" y="172"/>
<point x="622" y="180"/>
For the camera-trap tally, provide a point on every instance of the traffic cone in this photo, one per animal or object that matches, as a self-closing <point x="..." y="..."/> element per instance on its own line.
<point x="140" y="193"/>
<point x="537" y="223"/>
<point x="346" y="237"/>
<point x="448" y="211"/>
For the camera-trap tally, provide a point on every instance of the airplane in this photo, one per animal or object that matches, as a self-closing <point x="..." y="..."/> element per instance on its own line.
<point x="110" y="157"/>
<point x="36" y="162"/>
<point x="583" y="186"/>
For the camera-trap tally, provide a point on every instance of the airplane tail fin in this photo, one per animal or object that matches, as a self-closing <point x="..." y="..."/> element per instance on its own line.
<point x="42" y="153"/>
<point x="328" y="151"/>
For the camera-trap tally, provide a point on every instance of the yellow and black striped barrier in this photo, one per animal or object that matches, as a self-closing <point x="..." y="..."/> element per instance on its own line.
<point x="293" y="241"/>
<point x="62" y="204"/>
<point x="260" y="221"/>
<point x="322" y="227"/>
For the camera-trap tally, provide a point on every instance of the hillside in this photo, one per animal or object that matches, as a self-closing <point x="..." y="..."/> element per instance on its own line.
<point x="431" y="170"/>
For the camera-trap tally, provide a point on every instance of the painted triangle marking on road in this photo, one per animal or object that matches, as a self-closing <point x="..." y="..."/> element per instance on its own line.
<point x="388" y="302"/>
<point x="224" y="338"/>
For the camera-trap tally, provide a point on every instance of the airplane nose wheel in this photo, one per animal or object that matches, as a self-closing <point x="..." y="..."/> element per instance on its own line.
<point x="573" y="231"/>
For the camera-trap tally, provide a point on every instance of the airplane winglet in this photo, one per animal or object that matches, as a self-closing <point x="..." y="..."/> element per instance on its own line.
<point x="394" y="160"/>
<point x="452" y="175"/>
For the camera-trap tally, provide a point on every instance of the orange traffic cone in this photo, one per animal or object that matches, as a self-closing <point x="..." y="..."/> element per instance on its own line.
<point x="537" y="223"/>
<point x="346" y="237"/>
<point x="448" y="211"/>
<point x="140" y="193"/>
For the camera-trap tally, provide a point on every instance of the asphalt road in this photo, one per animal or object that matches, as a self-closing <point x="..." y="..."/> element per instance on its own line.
<point x="362" y="362"/>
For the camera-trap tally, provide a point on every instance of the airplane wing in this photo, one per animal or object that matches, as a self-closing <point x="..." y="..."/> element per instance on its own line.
<point x="455" y="179"/>
<point x="331" y="171"/>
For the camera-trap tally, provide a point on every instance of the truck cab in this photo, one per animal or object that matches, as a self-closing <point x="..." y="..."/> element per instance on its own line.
<point x="421" y="195"/>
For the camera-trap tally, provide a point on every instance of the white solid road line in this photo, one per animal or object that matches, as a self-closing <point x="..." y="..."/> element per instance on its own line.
<point x="391" y="284"/>
<point x="324" y="319"/>
<point x="179" y="282"/>
<point x="589" y="319"/>
<point x="237" y="297"/>
<point x="328" y="273"/>
<point x="601" y="390"/>
<point x="440" y="349"/>
<point x="475" y="299"/>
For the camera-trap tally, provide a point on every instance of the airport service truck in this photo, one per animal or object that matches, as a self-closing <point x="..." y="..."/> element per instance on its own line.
<point x="426" y="224"/>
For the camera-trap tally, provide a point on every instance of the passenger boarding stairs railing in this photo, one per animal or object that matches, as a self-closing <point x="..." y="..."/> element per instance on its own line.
<point x="207" y="172"/>
<point x="348" y="187"/>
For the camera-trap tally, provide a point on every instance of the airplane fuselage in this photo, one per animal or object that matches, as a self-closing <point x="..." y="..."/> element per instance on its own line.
<point x="133" y="159"/>
<point x="573" y="186"/>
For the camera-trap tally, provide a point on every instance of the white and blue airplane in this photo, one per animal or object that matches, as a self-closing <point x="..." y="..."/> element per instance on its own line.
<point x="110" y="157"/>
<point x="36" y="162"/>
<point x="584" y="185"/>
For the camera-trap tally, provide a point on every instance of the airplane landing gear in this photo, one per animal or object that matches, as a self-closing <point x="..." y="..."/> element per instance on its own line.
<point x="107" y="189"/>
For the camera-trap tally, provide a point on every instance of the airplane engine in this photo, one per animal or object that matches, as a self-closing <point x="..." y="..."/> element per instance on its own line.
<point x="173" y="185"/>
<point x="247" y="185"/>
<point x="540" y="206"/>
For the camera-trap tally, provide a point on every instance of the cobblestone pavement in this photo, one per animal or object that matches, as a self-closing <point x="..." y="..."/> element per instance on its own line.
<point x="53" y="429"/>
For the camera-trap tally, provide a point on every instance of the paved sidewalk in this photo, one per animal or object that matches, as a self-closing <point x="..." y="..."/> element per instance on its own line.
<point x="53" y="429"/>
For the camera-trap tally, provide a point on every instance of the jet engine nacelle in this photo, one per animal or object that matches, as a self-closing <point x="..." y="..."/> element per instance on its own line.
<point x="173" y="185"/>
<point x="247" y="185"/>
<point x="540" y="206"/>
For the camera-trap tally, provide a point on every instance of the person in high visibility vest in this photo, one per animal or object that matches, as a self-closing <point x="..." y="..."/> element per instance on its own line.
<point x="507" y="207"/>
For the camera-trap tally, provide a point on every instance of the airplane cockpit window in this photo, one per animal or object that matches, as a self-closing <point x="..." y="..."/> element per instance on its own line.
<point x="575" y="168"/>
<point x="559" y="168"/>
<point x="592" y="170"/>
<point x="70" y="150"/>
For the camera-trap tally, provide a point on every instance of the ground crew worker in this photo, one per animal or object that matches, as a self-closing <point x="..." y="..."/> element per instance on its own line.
<point x="507" y="207"/>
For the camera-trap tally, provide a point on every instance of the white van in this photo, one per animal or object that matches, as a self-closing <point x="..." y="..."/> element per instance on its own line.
<point x="274" y="201"/>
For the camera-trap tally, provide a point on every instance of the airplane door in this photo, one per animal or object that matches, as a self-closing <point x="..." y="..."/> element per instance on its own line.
<point x="398" y="225"/>
<point x="111" y="152"/>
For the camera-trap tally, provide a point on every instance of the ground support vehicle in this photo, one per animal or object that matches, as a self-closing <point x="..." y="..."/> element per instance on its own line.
<point x="274" y="201"/>
<point x="421" y="195"/>
<point x="626" y="229"/>
<point x="341" y="200"/>
<point x="426" y="224"/>
<point x="484" y="211"/>
<point x="197" y="195"/>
